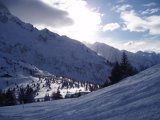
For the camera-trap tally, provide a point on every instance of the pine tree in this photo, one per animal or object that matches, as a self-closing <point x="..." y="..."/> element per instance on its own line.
<point x="46" y="97"/>
<point x="122" y="70"/>
<point x="116" y="74"/>
<point x="2" y="98"/>
<point x="21" y="96"/>
<point x="10" y="97"/>
<point x="126" y="68"/>
<point x="26" y="95"/>
<point x="57" y="95"/>
<point x="124" y="65"/>
<point x="29" y="95"/>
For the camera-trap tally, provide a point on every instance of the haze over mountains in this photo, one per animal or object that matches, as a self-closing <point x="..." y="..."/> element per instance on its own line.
<point x="140" y="60"/>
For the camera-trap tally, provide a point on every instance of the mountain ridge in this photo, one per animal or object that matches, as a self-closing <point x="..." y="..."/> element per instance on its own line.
<point x="49" y="51"/>
<point x="140" y="60"/>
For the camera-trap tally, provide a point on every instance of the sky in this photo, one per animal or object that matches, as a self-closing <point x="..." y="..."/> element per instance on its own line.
<point x="132" y="25"/>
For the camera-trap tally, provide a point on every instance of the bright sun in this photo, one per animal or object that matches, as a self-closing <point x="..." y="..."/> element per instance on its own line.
<point x="86" y="21"/>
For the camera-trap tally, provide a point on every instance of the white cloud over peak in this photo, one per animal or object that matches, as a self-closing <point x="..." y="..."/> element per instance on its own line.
<point x="36" y="12"/>
<point x="66" y="17"/>
<point x="110" y="27"/>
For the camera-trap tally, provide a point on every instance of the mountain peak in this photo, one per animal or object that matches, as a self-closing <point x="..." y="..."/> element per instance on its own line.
<point x="4" y="10"/>
<point x="139" y="60"/>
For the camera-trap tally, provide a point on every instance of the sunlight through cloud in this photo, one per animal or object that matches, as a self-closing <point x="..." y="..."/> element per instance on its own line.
<point x="86" y="20"/>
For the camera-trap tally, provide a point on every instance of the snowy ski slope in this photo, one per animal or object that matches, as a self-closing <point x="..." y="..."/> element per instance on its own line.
<point x="135" y="98"/>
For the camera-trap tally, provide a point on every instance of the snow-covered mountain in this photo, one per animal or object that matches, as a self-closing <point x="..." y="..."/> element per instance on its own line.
<point x="135" y="98"/>
<point x="15" y="75"/>
<point x="140" y="60"/>
<point x="47" y="51"/>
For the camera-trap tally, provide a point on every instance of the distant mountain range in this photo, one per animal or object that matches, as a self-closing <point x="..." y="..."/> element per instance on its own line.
<point x="140" y="60"/>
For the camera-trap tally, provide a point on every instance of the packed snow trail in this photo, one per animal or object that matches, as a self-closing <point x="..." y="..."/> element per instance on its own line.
<point x="135" y="98"/>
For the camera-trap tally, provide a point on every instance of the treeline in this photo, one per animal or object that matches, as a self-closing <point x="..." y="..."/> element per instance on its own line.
<point x="7" y="98"/>
<point x="26" y="95"/>
<point x="55" y="96"/>
<point x="10" y="97"/>
<point x="23" y="95"/>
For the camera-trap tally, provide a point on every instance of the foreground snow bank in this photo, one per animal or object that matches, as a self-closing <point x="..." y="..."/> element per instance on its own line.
<point x="135" y="98"/>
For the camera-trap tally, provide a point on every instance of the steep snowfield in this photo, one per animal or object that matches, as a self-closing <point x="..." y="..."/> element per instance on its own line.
<point x="135" y="98"/>
<point x="140" y="60"/>
<point x="49" y="51"/>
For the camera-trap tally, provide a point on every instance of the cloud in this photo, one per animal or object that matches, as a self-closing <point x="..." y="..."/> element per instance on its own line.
<point x="136" y="23"/>
<point x="121" y="1"/>
<point x="110" y="27"/>
<point x="153" y="24"/>
<point x="120" y="8"/>
<point x="150" y="11"/>
<point x="150" y="4"/>
<point x="87" y="20"/>
<point x="37" y="12"/>
<point x="134" y="43"/>
<point x="133" y="22"/>
<point x="142" y="45"/>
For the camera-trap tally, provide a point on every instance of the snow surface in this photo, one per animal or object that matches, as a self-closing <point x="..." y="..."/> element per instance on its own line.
<point x="134" y="98"/>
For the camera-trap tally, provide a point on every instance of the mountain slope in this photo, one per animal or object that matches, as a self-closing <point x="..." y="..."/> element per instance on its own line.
<point x="15" y="75"/>
<point x="135" y="98"/>
<point x="48" y="51"/>
<point x="140" y="60"/>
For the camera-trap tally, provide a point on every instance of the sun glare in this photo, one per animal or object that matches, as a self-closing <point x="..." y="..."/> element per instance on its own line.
<point x="86" y="21"/>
